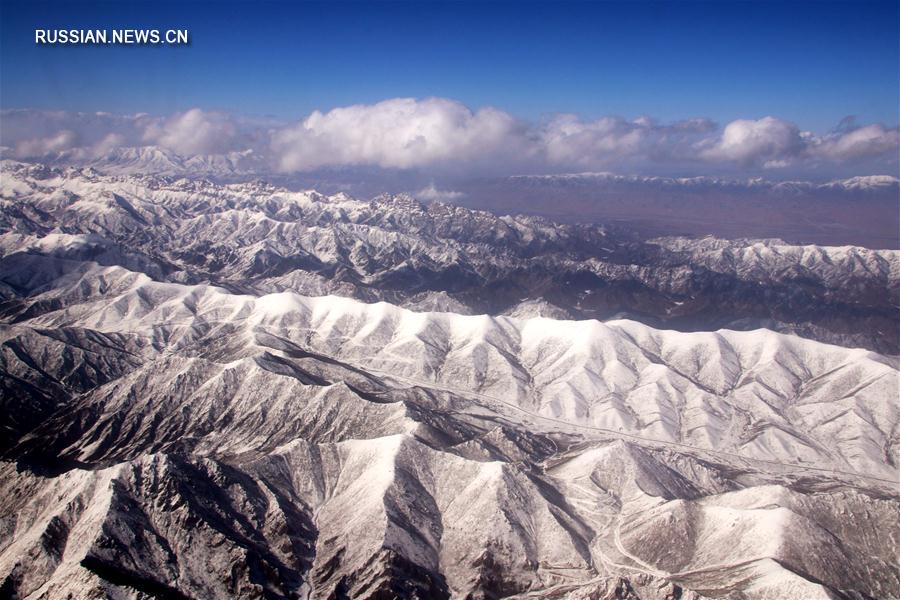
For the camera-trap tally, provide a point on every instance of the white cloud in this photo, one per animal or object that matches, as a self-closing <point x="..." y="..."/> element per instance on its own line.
<point x="872" y="140"/>
<point x="749" y="142"/>
<point x="432" y="193"/>
<point x="37" y="147"/>
<point x="778" y="144"/>
<point x="401" y="133"/>
<point x="407" y="133"/>
<point x="34" y="133"/>
<point x="439" y="134"/>
<point x="567" y="140"/>
<point x="110" y="141"/>
<point x="776" y="164"/>
<point x="193" y="132"/>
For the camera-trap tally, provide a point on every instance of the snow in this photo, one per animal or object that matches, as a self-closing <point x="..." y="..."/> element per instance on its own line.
<point x="323" y="437"/>
<point x="276" y="305"/>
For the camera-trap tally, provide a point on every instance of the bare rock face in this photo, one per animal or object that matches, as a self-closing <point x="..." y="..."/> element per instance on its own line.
<point x="176" y="424"/>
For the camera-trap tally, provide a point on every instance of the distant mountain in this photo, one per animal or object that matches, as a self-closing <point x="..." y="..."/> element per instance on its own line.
<point x="257" y="238"/>
<point x="861" y="211"/>
<point x="155" y="160"/>
<point x="867" y="183"/>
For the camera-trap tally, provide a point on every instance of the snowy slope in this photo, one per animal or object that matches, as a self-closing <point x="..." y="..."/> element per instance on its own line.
<point x="257" y="238"/>
<point x="347" y="448"/>
<point x="240" y="391"/>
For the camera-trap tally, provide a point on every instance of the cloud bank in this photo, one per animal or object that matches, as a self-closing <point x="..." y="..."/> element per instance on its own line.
<point x="439" y="134"/>
<point x="193" y="132"/>
<point x="401" y="133"/>
<point x="747" y="142"/>
<point x="431" y="193"/>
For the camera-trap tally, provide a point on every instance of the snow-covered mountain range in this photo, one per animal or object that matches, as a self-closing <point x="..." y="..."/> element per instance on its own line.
<point x="859" y="183"/>
<point x="253" y="237"/>
<point x="157" y="160"/>
<point x="216" y="391"/>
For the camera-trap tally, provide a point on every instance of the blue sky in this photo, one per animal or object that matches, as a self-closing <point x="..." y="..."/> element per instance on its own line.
<point x="732" y="88"/>
<point x="811" y="63"/>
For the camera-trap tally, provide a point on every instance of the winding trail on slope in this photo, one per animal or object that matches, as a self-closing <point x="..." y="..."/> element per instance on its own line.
<point x="558" y="423"/>
<point x="612" y="433"/>
<point x="648" y="568"/>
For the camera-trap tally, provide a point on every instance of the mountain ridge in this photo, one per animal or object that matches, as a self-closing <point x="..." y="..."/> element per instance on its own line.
<point x="259" y="238"/>
<point x="397" y="427"/>
<point x="220" y="391"/>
